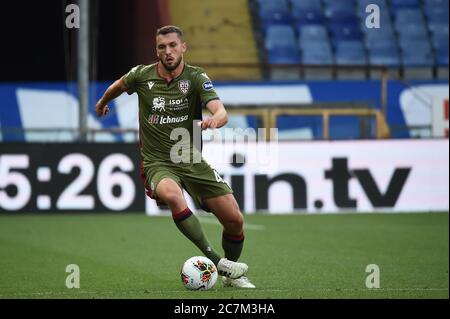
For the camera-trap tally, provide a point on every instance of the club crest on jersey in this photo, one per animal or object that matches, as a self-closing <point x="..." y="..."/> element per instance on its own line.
<point x="159" y="104"/>
<point x="184" y="86"/>
<point x="150" y="85"/>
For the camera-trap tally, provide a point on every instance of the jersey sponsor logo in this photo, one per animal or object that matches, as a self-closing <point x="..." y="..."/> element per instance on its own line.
<point x="159" y="104"/>
<point x="172" y="120"/>
<point x="153" y="119"/>
<point x="162" y="120"/>
<point x="184" y="86"/>
<point x="208" y="86"/>
<point x="178" y="104"/>
<point x="150" y="85"/>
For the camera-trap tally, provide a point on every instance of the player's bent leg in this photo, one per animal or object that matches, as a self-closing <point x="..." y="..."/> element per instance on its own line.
<point x="170" y="192"/>
<point x="226" y="209"/>
<point x="202" y="184"/>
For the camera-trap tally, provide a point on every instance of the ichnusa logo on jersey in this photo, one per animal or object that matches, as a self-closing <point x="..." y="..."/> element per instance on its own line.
<point x="153" y="119"/>
<point x="162" y="120"/>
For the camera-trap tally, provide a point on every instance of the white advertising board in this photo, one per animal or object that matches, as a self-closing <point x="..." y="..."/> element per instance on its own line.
<point x="333" y="177"/>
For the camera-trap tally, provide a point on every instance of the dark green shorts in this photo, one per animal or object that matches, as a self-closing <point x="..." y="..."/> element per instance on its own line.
<point x="200" y="180"/>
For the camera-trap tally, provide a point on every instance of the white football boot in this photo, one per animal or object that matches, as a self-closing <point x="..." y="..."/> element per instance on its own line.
<point x="231" y="269"/>
<point x="241" y="282"/>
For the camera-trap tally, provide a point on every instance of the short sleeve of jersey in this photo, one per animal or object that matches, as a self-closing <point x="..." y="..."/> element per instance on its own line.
<point x="131" y="78"/>
<point x="205" y="87"/>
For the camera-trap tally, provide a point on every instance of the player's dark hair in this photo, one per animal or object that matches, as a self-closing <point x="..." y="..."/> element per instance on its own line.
<point x="170" y="29"/>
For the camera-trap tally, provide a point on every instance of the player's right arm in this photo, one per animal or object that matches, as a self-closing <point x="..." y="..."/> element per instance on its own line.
<point x="115" y="90"/>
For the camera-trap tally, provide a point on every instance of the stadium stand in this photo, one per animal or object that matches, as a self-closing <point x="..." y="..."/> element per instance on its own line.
<point x="228" y="27"/>
<point x="412" y="40"/>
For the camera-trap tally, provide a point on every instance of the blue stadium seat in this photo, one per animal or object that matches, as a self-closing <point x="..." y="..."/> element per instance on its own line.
<point x="280" y="36"/>
<point x="272" y="3"/>
<point x="350" y="53"/>
<point x="341" y="15"/>
<point x="384" y="54"/>
<point x="409" y="16"/>
<point x="383" y="34"/>
<point x="418" y="59"/>
<point x="283" y="56"/>
<point x="382" y="46"/>
<point x="317" y="53"/>
<point x="412" y="32"/>
<point x="399" y="5"/>
<point x="346" y="32"/>
<point x="440" y="35"/>
<point x="409" y="44"/>
<point x="417" y="54"/>
<point x="441" y="5"/>
<point x="339" y="4"/>
<point x="308" y="17"/>
<point x="437" y="26"/>
<point x="306" y="5"/>
<point x="437" y="16"/>
<point x="441" y="54"/>
<point x="405" y="3"/>
<point x="437" y="3"/>
<point x="274" y="13"/>
<point x="313" y="33"/>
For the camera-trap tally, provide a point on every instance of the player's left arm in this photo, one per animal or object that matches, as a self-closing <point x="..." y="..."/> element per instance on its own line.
<point x="219" y="115"/>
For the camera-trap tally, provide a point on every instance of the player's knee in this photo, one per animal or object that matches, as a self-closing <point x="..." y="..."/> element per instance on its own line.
<point x="240" y="221"/>
<point x="170" y="193"/>
<point x="236" y="223"/>
<point x="172" y="197"/>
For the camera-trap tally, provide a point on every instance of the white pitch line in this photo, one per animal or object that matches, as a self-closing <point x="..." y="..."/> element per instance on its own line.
<point x="213" y="221"/>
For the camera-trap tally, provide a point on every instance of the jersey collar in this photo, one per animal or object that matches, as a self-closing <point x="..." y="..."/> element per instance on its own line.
<point x="156" y="73"/>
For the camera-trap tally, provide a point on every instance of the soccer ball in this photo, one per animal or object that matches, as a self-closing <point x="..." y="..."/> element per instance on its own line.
<point x="199" y="273"/>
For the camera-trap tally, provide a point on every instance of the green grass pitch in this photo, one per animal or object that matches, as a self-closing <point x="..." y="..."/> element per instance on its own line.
<point x="290" y="256"/>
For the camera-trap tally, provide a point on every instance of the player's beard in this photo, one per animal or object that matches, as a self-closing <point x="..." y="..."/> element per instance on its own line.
<point x="172" y="67"/>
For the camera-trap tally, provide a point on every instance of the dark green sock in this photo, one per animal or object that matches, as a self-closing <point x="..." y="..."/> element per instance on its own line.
<point x="190" y="226"/>
<point x="232" y="246"/>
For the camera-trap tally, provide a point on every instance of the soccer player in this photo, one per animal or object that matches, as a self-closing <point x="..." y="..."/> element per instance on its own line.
<point x="171" y="95"/>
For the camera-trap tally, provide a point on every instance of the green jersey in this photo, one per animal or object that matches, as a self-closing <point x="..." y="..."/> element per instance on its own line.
<point x="164" y="106"/>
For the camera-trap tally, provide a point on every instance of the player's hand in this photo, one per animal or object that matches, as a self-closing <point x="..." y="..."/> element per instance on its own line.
<point x="208" y="123"/>
<point x="101" y="110"/>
